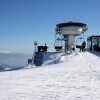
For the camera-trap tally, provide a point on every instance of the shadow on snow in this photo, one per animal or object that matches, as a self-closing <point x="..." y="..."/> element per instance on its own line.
<point x="97" y="53"/>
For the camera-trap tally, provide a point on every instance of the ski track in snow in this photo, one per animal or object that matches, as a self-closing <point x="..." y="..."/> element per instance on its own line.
<point x="77" y="77"/>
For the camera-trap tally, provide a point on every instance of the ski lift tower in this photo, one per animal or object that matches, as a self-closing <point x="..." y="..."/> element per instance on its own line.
<point x="68" y="31"/>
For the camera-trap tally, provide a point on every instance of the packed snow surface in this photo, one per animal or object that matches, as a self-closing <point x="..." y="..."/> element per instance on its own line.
<point x="63" y="76"/>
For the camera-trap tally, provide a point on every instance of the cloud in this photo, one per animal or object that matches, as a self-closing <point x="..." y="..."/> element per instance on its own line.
<point x="4" y="51"/>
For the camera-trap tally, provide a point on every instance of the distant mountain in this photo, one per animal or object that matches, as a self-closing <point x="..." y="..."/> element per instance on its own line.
<point x="5" y="67"/>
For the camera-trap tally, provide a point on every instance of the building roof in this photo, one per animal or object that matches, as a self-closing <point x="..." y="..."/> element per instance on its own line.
<point x="71" y="24"/>
<point x="93" y="36"/>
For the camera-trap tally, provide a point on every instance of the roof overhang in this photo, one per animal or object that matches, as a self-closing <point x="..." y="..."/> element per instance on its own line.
<point x="93" y="36"/>
<point x="75" y="24"/>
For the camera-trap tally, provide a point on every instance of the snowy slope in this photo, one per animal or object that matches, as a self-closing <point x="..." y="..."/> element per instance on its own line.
<point x="74" y="76"/>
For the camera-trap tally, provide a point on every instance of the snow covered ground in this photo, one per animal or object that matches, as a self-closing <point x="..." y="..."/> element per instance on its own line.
<point x="74" y="76"/>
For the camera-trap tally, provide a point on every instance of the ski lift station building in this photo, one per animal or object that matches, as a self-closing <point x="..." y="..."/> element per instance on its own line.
<point x="68" y="31"/>
<point x="93" y="42"/>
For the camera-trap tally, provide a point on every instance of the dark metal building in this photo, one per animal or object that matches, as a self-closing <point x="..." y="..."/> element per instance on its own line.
<point x="93" y="43"/>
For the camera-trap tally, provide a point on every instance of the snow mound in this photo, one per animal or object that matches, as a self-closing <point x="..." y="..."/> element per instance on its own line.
<point x="59" y="57"/>
<point x="29" y="66"/>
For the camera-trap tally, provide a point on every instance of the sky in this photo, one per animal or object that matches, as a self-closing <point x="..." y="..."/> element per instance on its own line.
<point x="24" y="21"/>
